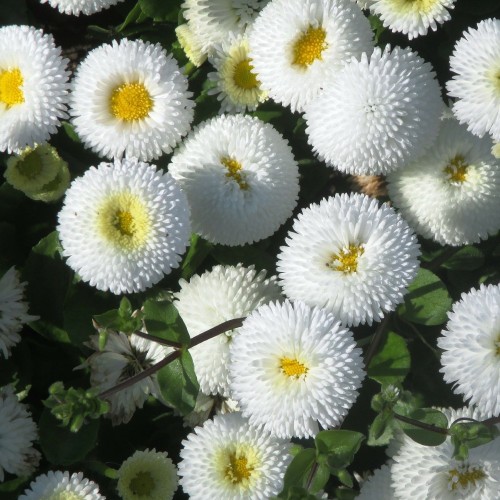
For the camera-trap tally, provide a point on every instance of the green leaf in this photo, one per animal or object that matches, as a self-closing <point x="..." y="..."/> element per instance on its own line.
<point x="163" y="320"/>
<point x="160" y="9"/>
<point x="121" y="319"/>
<point x="340" y="445"/>
<point x="199" y="249"/>
<point x="392" y="363"/>
<point x="132" y="17"/>
<point x="382" y="429"/>
<point x="345" y="478"/>
<point x="178" y="383"/>
<point x="423" y="436"/>
<point x="467" y="259"/>
<point x="321" y="477"/>
<point x="70" y="132"/>
<point x="427" y="302"/>
<point x="299" y="469"/>
<point x="61" y="446"/>
<point x="466" y="434"/>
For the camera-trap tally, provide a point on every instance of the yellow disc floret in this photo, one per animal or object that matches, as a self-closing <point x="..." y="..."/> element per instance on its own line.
<point x="234" y="168"/>
<point x="415" y="6"/>
<point x="465" y="477"/>
<point x="237" y="465"/>
<point x="130" y="102"/>
<point x="238" y="469"/>
<point x="309" y="47"/>
<point x="292" y="367"/>
<point x="346" y="261"/>
<point x="457" y="169"/>
<point x="244" y="77"/>
<point x="123" y="221"/>
<point x="63" y="495"/>
<point x="11" y="92"/>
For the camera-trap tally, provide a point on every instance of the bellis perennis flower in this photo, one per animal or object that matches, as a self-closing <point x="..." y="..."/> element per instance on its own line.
<point x="77" y="7"/>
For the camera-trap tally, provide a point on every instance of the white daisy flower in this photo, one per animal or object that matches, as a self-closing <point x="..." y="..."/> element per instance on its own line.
<point x="214" y="20"/>
<point x="227" y="458"/>
<point x="124" y="225"/>
<point x="451" y="193"/>
<point x="13" y="311"/>
<point x="77" y="7"/>
<point x="130" y="98"/>
<point x="411" y="18"/>
<point x="294" y="367"/>
<point x="471" y="348"/>
<point x="18" y="431"/>
<point x="33" y="87"/>
<point x="476" y="85"/>
<point x="147" y="475"/>
<point x="237" y="86"/>
<point x="423" y="472"/>
<point x="378" y="486"/>
<point x="298" y="46"/>
<point x="240" y="178"/>
<point x="224" y="293"/>
<point x="190" y="44"/>
<point x="351" y="256"/>
<point x="123" y="357"/>
<point x="58" y="485"/>
<point x="377" y="114"/>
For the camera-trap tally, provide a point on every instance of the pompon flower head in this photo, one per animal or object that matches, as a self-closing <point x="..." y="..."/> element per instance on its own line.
<point x="451" y="193"/>
<point x="412" y="18"/>
<point x="306" y="373"/>
<point x="147" y="475"/>
<point x="227" y="458"/>
<point x="124" y="225"/>
<point x="58" y="485"/>
<point x="471" y="348"/>
<point x="33" y="87"/>
<point x="13" y="311"/>
<point x="129" y="98"/>
<point x="77" y="7"/>
<point x="351" y="256"/>
<point x="17" y="456"/>
<point x="378" y="486"/>
<point x="298" y="46"/>
<point x="237" y="86"/>
<point x="476" y="85"/>
<point x="190" y="44"/>
<point x="240" y="178"/>
<point x="377" y="114"/>
<point x="423" y="472"/>
<point x="224" y="293"/>
<point x="123" y="357"/>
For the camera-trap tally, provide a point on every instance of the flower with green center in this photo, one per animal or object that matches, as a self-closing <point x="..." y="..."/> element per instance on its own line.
<point x="147" y="475"/>
<point x="226" y="458"/>
<point x="124" y="225"/>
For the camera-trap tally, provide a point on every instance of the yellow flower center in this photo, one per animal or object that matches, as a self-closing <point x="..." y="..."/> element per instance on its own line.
<point x="457" y="169"/>
<point x="142" y="484"/>
<point x="62" y="495"/>
<point x="497" y="345"/>
<point x="234" y="168"/>
<point x="292" y="367"/>
<point x="130" y="102"/>
<point x="238" y="469"/>
<point x="11" y="92"/>
<point x="123" y="221"/>
<point x="346" y="261"/>
<point x="309" y="47"/>
<point x="416" y="6"/>
<point x="465" y="477"/>
<point x="243" y="76"/>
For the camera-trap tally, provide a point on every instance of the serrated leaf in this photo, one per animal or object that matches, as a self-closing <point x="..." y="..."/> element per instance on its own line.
<point x="340" y="445"/>
<point x="466" y="259"/>
<point x="163" y="320"/>
<point x="427" y="301"/>
<point x="423" y="436"/>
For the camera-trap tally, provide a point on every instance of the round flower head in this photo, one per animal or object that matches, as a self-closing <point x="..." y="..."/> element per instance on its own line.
<point x="378" y="486"/>
<point x="423" y="472"/>
<point x="471" y="348"/>
<point x="214" y="20"/>
<point x="476" y="85"/>
<point x="18" y="431"/>
<point x="77" y="7"/>
<point x="121" y="358"/>
<point x="224" y="293"/>
<point x="130" y="98"/>
<point x="57" y="485"/>
<point x="33" y="87"/>
<point x="240" y="178"/>
<point x="123" y="226"/>
<point x="298" y="46"/>
<point x="377" y="114"/>
<point x="413" y="18"/>
<point x="237" y="86"/>
<point x="351" y="256"/>
<point x="190" y="44"/>
<point x="451" y="193"/>
<point x="147" y="475"/>
<point x="227" y="458"/>
<point x="292" y="367"/>
<point x="13" y="311"/>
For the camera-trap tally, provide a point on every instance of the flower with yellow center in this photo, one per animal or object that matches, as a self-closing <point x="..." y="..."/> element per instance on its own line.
<point x="130" y="99"/>
<point x="306" y="374"/>
<point x="346" y="261"/>
<point x="77" y="7"/>
<point x="237" y="85"/>
<point x="11" y="91"/>
<point x="298" y="46"/>
<point x="124" y="226"/>
<point x="226" y="458"/>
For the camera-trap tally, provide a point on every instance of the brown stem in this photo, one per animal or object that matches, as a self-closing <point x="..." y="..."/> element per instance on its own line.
<point x="310" y="478"/>
<point x="440" y="259"/>
<point x="491" y="421"/>
<point x="377" y="338"/>
<point x="422" y="425"/>
<point x="158" y="340"/>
